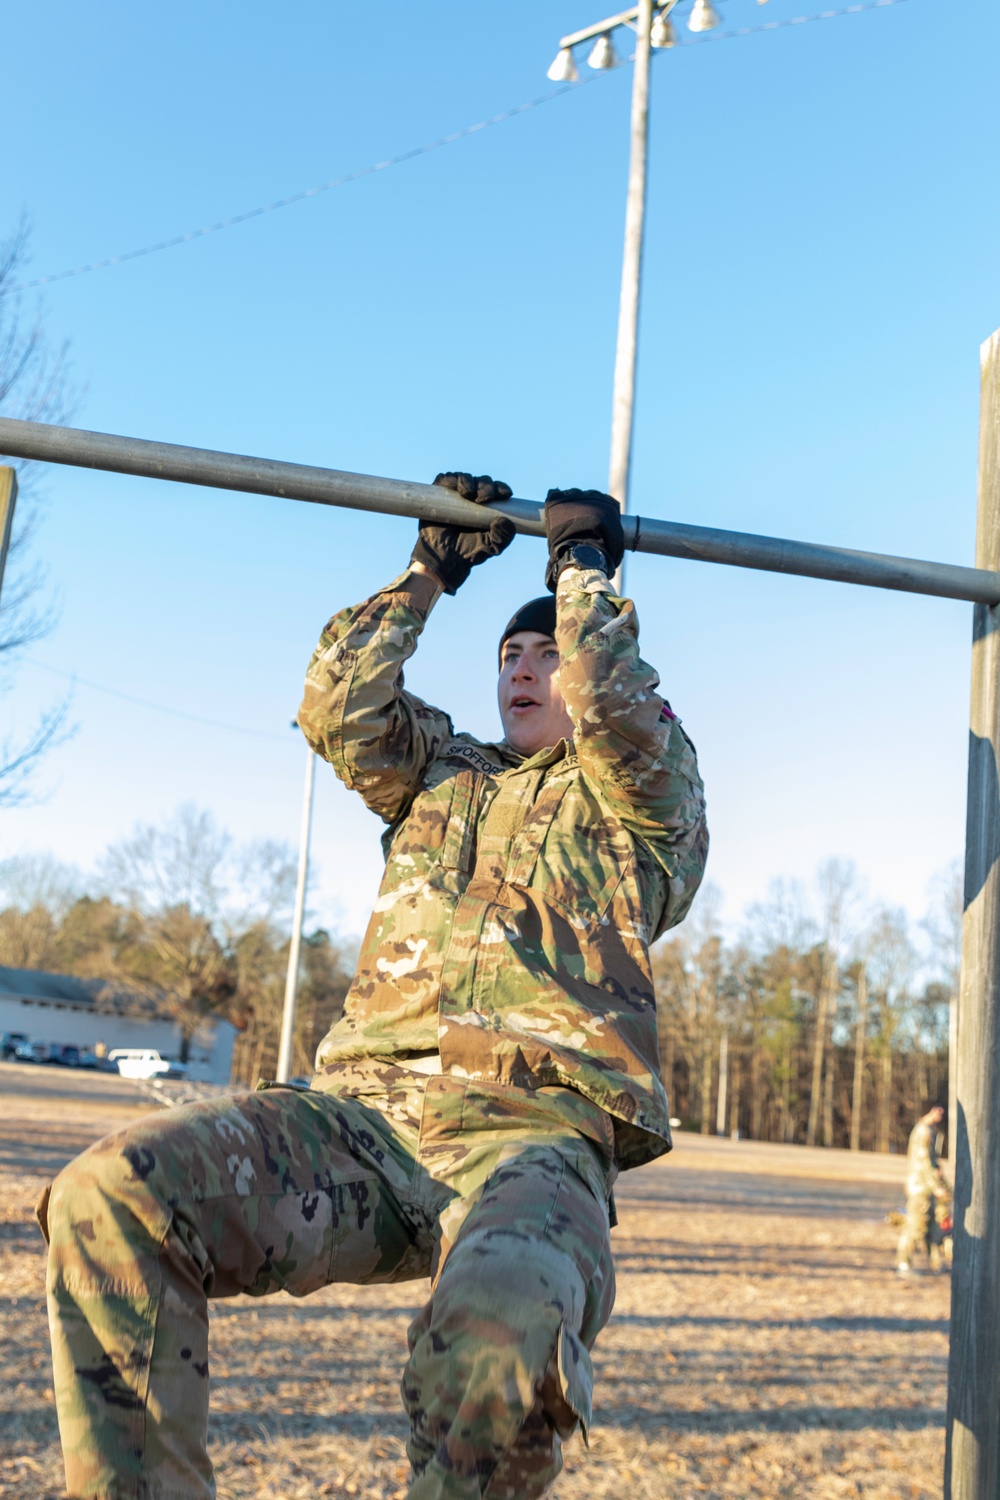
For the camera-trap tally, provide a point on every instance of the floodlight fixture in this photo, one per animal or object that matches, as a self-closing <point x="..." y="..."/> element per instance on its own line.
<point x="662" y="32"/>
<point x="563" y="69"/>
<point x="703" y="17"/>
<point x="604" y="54"/>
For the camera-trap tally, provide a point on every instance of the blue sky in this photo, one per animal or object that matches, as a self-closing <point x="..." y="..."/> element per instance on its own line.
<point x="821" y="267"/>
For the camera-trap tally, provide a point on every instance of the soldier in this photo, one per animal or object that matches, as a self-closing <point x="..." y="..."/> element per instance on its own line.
<point x="495" y="1068"/>
<point x="925" y="1187"/>
<point x="942" y="1235"/>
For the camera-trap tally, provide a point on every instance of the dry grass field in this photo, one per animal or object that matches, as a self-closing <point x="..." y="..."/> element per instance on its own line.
<point x="761" y="1345"/>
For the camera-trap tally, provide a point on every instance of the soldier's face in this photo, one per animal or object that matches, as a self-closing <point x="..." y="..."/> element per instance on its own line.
<point x="532" y="710"/>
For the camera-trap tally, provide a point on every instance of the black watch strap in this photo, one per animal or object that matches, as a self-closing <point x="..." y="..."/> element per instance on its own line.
<point x="576" y="555"/>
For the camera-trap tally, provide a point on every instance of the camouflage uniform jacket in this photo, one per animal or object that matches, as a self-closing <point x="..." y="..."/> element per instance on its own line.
<point x="520" y="896"/>
<point x="923" y="1174"/>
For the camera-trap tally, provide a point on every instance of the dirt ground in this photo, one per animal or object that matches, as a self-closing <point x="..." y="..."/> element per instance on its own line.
<point x="761" y="1344"/>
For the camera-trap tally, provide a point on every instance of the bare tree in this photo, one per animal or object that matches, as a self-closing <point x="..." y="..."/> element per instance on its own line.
<point x="182" y="863"/>
<point x="837" y="881"/>
<point x="28" y="880"/>
<point x="36" y="892"/>
<point x="860" y="1032"/>
<point x="891" y="967"/>
<point x="35" y="386"/>
<point x="190" y="861"/>
<point x="689" y="971"/>
<point x="778" y="936"/>
<point x="781" y="920"/>
<point x="205" y="915"/>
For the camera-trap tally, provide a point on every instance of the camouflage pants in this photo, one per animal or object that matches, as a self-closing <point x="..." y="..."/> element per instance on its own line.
<point x="292" y="1190"/>
<point x="920" y="1230"/>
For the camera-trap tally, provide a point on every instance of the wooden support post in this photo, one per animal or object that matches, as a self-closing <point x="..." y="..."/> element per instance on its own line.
<point x="8" y="496"/>
<point x="972" y="1470"/>
<point x="952" y="1080"/>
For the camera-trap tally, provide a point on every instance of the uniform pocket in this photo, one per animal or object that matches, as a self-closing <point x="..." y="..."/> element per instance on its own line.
<point x="439" y="828"/>
<point x="459" y="837"/>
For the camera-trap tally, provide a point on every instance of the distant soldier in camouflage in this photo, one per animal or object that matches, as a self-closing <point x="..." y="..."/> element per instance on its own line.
<point x="942" y="1243"/>
<point x="495" y="1068"/>
<point x="925" y="1188"/>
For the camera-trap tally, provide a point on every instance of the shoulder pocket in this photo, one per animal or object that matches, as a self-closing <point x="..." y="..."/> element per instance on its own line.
<point x="440" y="825"/>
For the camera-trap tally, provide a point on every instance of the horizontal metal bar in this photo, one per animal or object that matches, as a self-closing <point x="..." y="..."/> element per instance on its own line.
<point x="398" y="497"/>
<point x="624" y="18"/>
<point x="773" y="554"/>
<point x="599" y="28"/>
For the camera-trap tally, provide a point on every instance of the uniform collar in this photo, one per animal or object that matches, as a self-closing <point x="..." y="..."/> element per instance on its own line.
<point x="561" y="750"/>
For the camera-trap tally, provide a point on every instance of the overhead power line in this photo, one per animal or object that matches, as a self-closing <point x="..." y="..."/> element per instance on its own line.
<point x="160" y="708"/>
<point x="445" y="140"/>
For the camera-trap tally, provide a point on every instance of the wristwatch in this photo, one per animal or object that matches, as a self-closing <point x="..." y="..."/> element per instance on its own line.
<point x="577" y="555"/>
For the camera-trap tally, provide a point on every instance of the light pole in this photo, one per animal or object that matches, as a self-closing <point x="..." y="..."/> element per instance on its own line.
<point x="623" y="393"/>
<point x="292" y="977"/>
<point x="653" y="26"/>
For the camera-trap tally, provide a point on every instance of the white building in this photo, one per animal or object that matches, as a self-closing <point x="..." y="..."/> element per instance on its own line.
<point x="60" y="1009"/>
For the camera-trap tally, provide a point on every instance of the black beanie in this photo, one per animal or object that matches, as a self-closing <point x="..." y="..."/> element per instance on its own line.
<point x="539" y="615"/>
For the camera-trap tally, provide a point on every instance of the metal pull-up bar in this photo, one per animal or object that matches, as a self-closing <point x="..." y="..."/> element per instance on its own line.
<point x="398" y="497"/>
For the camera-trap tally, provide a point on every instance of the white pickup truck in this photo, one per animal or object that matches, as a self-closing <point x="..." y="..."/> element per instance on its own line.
<point x="145" y="1062"/>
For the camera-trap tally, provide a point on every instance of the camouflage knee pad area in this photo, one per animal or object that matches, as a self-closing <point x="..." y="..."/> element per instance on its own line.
<point x="499" y="1369"/>
<point x="289" y="1190"/>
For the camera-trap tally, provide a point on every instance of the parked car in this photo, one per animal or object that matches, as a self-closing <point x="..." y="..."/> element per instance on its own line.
<point x="10" y="1042"/>
<point x="32" y="1052"/>
<point x="145" y="1062"/>
<point x="67" y="1055"/>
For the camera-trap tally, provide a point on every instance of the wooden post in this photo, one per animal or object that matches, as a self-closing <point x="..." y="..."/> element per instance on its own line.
<point x="952" y="1079"/>
<point x="973" y="1421"/>
<point x="8" y="496"/>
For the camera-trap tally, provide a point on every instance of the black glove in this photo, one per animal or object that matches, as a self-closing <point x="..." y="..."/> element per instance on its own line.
<point x="453" y="551"/>
<point x="582" y="518"/>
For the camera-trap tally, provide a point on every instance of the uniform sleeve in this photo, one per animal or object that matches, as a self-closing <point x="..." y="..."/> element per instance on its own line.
<point x="355" y="713"/>
<point x="628" y="741"/>
<point x="932" y="1156"/>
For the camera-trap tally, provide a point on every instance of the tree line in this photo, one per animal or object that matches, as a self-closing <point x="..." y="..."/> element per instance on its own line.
<point x="828" y="1027"/>
<point x="823" y="1020"/>
<point x="185" y="919"/>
